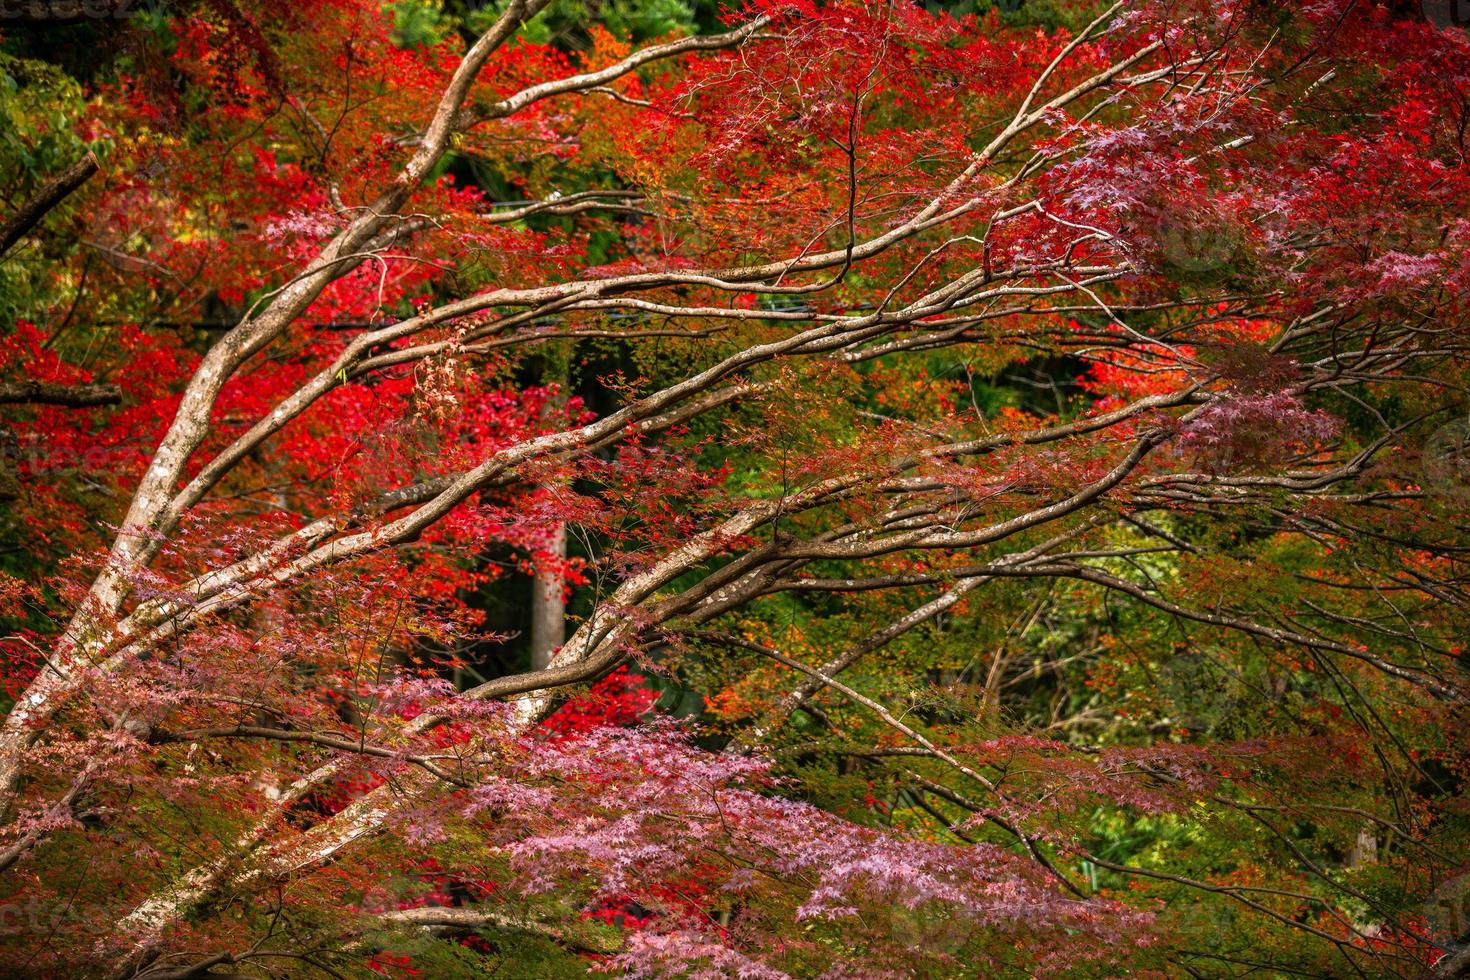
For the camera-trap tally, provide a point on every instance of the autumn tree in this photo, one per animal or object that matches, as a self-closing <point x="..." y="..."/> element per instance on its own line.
<point x="812" y="489"/>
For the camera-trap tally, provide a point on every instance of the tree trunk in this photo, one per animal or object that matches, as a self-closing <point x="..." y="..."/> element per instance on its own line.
<point x="548" y="603"/>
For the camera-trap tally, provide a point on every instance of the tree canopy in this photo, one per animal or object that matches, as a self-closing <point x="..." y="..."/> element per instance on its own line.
<point x="796" y="489"/>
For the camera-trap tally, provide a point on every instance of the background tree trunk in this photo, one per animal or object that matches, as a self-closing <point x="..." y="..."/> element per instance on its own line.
<point x="548" y="603"/>
<point x="548" y="594"/>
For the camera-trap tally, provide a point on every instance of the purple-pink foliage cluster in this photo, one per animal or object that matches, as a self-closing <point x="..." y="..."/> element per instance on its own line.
<point x="643" y="815"/>
<point x="1242" y="428"/>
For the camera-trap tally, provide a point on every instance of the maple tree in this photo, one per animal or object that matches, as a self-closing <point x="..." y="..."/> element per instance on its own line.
<point x="805" y="489"/>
